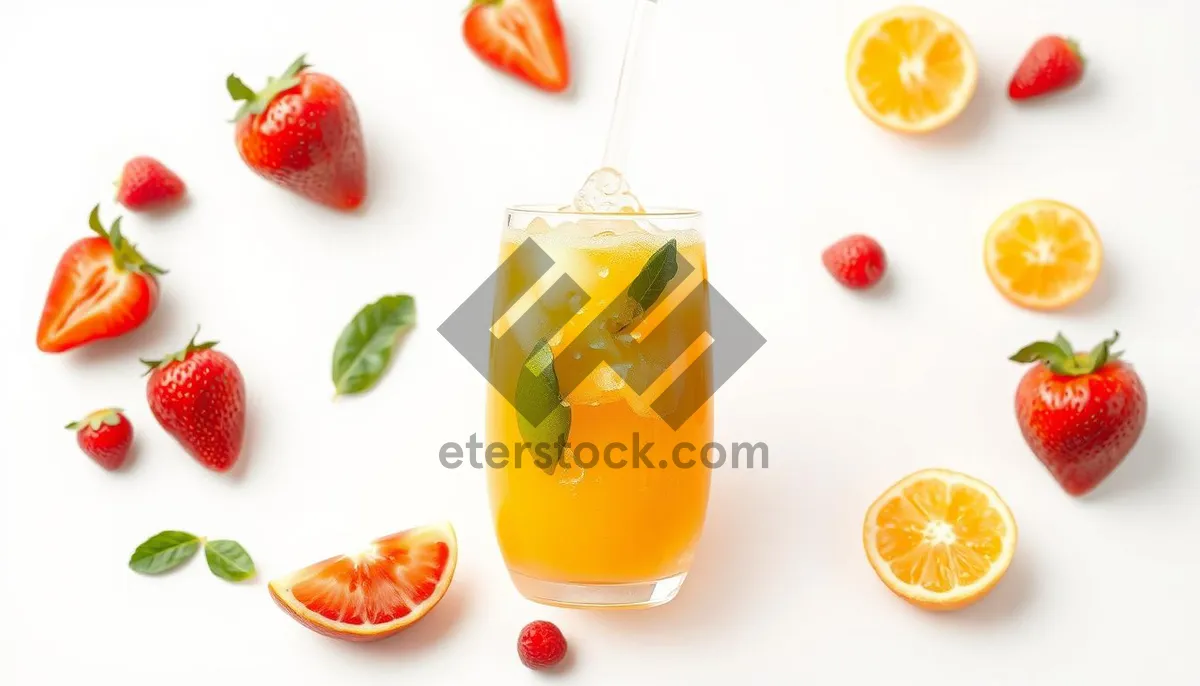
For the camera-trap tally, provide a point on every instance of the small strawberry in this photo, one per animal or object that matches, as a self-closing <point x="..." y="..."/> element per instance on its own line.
<point x="856" y="262"/>
<point x="521" y="37"/>
<point x="199" y="397"/>
<point x="1053" y="63"/>
<point x="146" y="183"/>
<point x="541" y="645"/>
<point x="105" y="436"/>
<point x="1080" y="413"/>
<point x="102" y="288"/>
<point x="301" y="131"/>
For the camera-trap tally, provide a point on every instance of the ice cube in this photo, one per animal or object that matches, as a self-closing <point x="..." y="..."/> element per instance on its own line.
<point x="537" y="227"/>
<point x="606" y="191"/>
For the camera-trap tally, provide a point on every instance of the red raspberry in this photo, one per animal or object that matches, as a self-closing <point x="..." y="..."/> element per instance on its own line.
<point x="855" y="261"/>
<point x="541" y="645"/>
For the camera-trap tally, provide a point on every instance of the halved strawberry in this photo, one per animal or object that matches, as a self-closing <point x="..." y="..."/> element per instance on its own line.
<point x="102" y="288"/>
<point x="521" y="37"/>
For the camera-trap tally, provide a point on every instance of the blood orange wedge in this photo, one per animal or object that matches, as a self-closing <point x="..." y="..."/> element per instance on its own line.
<point x="939" y="539"/>
<point x="1043" y="254"/>
<point x="376" y="592"/>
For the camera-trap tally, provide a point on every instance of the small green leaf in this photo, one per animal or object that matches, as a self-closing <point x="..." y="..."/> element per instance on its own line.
<point x="255" y="102"/>
<point x="1064" y="345"/>
<point x="178" y="356"/>
<point x="1061" y="358"/>
<point x="94" y="222"/>
<point x="650" y="283"/>
<point x="1102" y="353"/>
<point x="229" y="560"/>
<point x="655" y="275"/>
<point x="110" y="416"/>
<point x="1042" y="351"/>
<point x="298" y="65"/>
<point x="538" y="398"/>
<point x="163" y="552"/>
<point x="364" y="350"/>
<point x="237" y="89"/>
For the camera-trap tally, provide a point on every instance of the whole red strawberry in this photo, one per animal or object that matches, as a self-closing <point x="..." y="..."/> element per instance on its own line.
<point x="856" y="261"/>
<point x="105" y="436"/>
<point x="199" y="397"/>
<point x="541" y="645"/>
<point x="1080" y="413"/>
<point x="301" y="131"/>
<point x="1053" y="63"/>
<point x="102" y="288"/>
<point x="146" y="183"/>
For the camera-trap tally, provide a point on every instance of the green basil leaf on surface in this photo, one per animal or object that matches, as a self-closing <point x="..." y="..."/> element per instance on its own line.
<point x="229" y="560"/>
<point x="163" y="552"/>
<point x="364" y="350"/>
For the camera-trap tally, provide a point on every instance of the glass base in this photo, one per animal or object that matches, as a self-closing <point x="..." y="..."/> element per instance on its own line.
<point x="638" y="595"/>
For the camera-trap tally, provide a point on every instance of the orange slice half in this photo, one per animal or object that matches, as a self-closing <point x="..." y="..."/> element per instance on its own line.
<point x="911" y="69"/>
<point x="939" y="539"/>
<point x="376" y="592"/>
<point x="1043" y="254"/>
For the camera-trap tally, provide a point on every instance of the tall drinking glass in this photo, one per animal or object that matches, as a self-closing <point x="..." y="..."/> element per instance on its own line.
<point x="601" y="399"/>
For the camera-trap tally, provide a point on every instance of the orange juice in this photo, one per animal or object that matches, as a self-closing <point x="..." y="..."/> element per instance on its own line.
<point x="633" y="517"/>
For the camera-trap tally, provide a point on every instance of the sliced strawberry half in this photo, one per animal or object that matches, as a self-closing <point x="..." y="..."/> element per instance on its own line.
<point x="102" y="288"/>
<point x="521" y="37"/>
<point x="376" y="592"/>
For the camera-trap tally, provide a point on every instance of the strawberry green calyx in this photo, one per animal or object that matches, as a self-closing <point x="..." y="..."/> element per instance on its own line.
<point x="110" y="416"/>
<point x="1074" y="46"/>
<point x="483" y="3"/>
<point x="255" y="103"/>
<point x="180" y="356"/>
<point x="1062" y="359"/>
<point x="125" y="254"/>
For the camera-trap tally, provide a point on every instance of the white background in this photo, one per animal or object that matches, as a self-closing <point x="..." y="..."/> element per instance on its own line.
<point x="747" y="118"/>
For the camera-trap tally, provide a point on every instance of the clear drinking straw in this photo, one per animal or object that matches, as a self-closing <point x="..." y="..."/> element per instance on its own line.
<point x="616" y="150"/>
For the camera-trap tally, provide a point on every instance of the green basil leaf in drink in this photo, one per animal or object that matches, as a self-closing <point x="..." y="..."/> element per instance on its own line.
<point x="163" y="552"/>
<point x="229" y="560"/>
<point x="649" y="284"/>
<point x="364" y="350"/>
<point x="539" y="400"/>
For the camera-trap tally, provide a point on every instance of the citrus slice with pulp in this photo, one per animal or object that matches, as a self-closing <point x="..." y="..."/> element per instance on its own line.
<point x="911" y="69"/>
<point x="1043" y="254"/>
<point x="376" y="592"/>
<point x="939" y="539"/>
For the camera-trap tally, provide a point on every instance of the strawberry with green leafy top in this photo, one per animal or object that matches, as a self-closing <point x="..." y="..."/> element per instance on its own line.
<point x="301" y="131"/>
<point x="1080" y="413"/>
<point x="199" y="397"/>
<point x="105" y="436"/>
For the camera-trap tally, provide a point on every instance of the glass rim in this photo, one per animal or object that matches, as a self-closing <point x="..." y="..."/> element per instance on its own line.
<point x="565" y="213"/>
